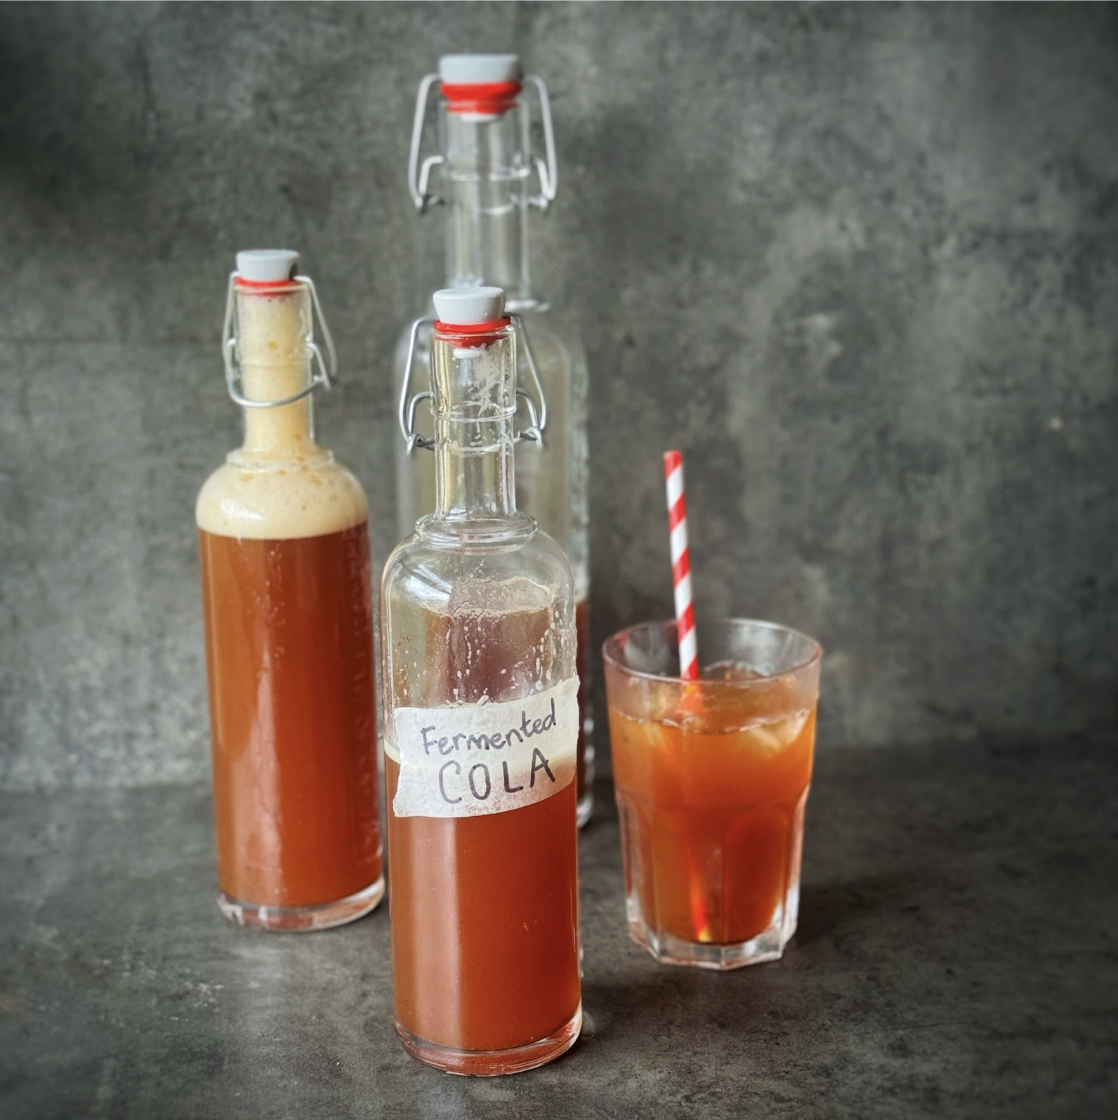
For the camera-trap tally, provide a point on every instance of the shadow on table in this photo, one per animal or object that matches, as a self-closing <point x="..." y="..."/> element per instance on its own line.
<point x="828" y="908"/>
<point x="655" y="997"/>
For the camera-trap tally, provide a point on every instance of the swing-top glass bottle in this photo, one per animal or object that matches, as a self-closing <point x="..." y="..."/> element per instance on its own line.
<point x="480" y="730"/>
<point x="486" y="179"/>
<point x="283" y="537"/>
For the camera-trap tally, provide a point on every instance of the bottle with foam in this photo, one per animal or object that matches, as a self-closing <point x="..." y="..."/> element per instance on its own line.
<point x="485" y="179"/>
<point x="283" y="538"/>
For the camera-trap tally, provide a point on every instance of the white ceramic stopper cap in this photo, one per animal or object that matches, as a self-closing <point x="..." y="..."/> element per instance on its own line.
<point x="477" y="69"/>
<point x="465" y="307"/>
<point x="267" y="265"/>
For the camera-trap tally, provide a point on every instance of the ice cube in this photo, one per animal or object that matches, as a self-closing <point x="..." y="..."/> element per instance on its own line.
<point x="730" y="671"/>
<point x="775" y="736"/>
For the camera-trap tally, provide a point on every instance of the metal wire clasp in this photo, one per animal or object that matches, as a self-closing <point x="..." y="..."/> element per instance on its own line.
<point x="537" y="413"/>
<point x="326" y="373"/>
<point x="419" y="174"/>
<point x="419" y="177"/>
<point x="548" y="172"/>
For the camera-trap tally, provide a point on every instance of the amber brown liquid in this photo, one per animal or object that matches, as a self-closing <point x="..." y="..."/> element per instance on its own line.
<point x="484" y="923"/>
<point x="712" y="817"/>
<point x="289" y="642"/>
<point x="484" y="909"/>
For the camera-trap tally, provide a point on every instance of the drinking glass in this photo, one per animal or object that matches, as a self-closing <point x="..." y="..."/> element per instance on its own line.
<point x="711" y="778"/>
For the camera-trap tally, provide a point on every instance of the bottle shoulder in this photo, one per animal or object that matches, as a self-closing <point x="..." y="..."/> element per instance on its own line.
<point x="421" y="570"/>
<point x="280" y="499"/>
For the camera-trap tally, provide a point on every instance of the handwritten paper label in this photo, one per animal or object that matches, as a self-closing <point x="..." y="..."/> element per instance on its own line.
<point x="485" y="758"/>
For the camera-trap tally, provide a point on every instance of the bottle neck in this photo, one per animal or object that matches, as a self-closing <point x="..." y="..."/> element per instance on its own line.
<point x="272" y="329"/>
<point x="486" y="170"/>
<point x="474" y="387"/>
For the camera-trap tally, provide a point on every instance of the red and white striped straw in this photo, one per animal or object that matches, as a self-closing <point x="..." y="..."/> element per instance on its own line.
<point x="681" y="568"/>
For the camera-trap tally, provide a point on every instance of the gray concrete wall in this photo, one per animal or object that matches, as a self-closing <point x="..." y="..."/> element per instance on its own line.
<point x="860" y="263"/>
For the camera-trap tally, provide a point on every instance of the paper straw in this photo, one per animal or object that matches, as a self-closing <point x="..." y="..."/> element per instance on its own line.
<point x="681" y="568"/>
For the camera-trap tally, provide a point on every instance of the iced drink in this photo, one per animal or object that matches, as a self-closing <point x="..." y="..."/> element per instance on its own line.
<point x="711" y="779"/>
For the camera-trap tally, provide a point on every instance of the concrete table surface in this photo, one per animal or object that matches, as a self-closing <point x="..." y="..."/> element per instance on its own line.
<point x="957" y="955"/>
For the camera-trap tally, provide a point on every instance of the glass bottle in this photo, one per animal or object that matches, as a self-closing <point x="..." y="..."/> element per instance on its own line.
<point x="485" y="172"/>
<point x="480" y="732"/>
<point x="283" y="536"/>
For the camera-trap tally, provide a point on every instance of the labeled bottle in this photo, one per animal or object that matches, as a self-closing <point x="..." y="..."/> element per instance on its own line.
<point x="480" y="730"/>
<point x="283" y="536"/>
<point x="487" y="182"/>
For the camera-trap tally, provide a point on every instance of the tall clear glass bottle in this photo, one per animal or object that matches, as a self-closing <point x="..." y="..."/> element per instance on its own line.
<point x="480" y="732"/>
<point x="487" y="182"/>
<point x="283" y="537"/>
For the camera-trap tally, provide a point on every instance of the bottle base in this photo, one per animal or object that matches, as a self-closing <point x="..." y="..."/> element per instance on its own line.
<point x="302" y="919"/>
<point x="493" y="1063"/>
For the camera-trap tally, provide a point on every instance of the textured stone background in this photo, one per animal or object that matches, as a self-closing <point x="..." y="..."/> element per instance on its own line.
<point x="860" y="263"/>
